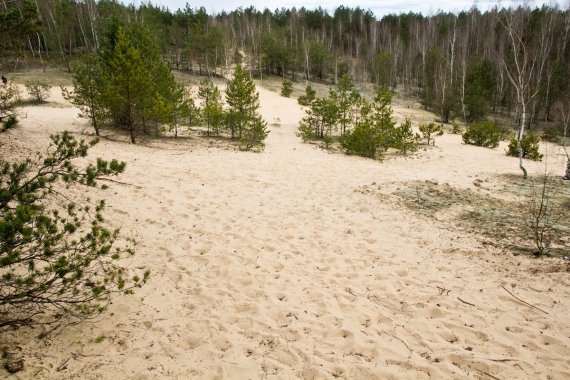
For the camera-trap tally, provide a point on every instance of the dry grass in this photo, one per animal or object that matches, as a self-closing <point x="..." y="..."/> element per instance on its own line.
<point x="496" y="220"/>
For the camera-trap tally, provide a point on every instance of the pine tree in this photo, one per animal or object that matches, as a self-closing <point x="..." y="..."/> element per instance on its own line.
<point x="404" y="139"/>
<point x="88" y="89"/>
<point x="57" y="258"/>
<point x="7" y="106"/>
<point x="242" y="118"/>
<point x="212" y="109"/>
<point x="129" y="92"/>
<point x="136" y="89"/>
<point x="366" y="138"/>
<point x="429" y="130"/>
<point x="382" y="116"/>
<point x="179" y="105"/>
<point x="307" y="99"/>
<point x="38" y="89"/>
<point x="286" y="88"/>
<point x="347" y="99"/>
<point x="320" y="120"/>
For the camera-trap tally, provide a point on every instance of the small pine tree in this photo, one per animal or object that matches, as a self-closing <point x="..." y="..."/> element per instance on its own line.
<point x="128" y="93"/>
<point x="58" y="256"/>
<point x="429" y="130"/>
<point x="382" y="116"/>
<point x="404" y="139"/>
<point x="180" y="105"/>
<point x="254" y="134"/>
<point x="483" y="133"/>
<point x="212" y="109"/>
<point x="365" y="139"/>
<point x="320" y="120"/>
<point x="88" y="89"/>
<point x="38" y="89"/>
<point x="286" y="88"/>
<point x="8" y="102"/>
<point x="307" y="99"/>
<point x="529" y="144"/>
<point x="242" y="118"/>
<point x="347" y="100"/>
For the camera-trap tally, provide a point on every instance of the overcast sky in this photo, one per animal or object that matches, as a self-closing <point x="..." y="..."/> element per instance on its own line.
<point x="379" y="7"/>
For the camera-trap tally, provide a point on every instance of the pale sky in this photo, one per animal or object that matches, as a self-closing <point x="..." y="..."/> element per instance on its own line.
<point x="379" y="7"/>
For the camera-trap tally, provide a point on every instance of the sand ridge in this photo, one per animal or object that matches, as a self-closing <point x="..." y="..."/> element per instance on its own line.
<point x="281" y="265"/>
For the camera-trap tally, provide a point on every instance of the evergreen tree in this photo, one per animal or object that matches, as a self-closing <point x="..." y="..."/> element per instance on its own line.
<point x="529" y="145"/>
<point x="429" y="130"/>
<point x="38" y="89"/>
<point x="57" y="259"/>
<point x="179" y="105"/>
<point x="129" y="91"/>
<point x="366" y="138"/>
<point x="242" y="118"/>
<point x="381" y="69"/>
<point x="7" y="105"/>
<point x="404" y="139"/>
<point x="347" y="99"/>
<point x="307" y="99"/>
<point x="212" y="109"/>
<point x="382" y="116"/>
<point x="479" y="89"/>
<point x="320" y="121"/>
<point x="88" y="93"/>
<point x="286" y="88"/>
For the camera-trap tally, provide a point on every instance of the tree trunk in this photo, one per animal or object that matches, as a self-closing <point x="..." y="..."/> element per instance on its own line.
<point x="520" y="136"/>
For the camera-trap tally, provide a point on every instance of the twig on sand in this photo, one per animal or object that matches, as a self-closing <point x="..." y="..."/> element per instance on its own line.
<point x="486" y="373"/>
<point x="465" y="302"/>
<point x="526" y="303"/>
<point x="119" y="182"/>
<point x="443" y="290"/>
<point x="63" y="365"/>
<point x="395" y="337"/>
<point x="503" y="360"/>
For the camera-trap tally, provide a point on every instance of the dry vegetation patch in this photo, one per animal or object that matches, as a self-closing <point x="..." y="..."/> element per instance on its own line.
<point x="499" y="219"/>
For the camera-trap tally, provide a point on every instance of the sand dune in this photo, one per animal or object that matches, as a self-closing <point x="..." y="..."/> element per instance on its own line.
<point x="295" y="263"/>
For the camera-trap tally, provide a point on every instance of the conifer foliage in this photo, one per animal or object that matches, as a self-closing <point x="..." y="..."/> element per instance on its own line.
<point x="363" y="128"/>
<point x="242" y="119"/>
<point x="126" y="85"/>
<point x="212" y="108"/>
<point x="56" y="255"/>
<point x="88" y="89"/>
<point x="7" y="106"/>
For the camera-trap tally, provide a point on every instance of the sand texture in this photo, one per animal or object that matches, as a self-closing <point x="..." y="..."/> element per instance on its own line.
<point x="297" y="263"/>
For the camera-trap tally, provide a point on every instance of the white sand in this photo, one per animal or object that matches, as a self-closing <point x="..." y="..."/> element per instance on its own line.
<point x="278" y="266"/>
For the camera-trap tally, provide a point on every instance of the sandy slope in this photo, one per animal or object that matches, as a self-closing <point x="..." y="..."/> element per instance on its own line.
<point x="291" y="264"/>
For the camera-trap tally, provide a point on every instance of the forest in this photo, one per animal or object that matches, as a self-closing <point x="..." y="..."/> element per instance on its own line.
<point x="466" y="67"/>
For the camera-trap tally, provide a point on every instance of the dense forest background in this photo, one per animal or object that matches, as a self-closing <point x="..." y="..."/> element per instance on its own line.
<point x="465" y="66"/>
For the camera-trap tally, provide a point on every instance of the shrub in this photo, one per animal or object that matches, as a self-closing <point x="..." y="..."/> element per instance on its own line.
<point x="529" y="144"/>
<point x="307" y="99"/>
<point x="404" y="139"/>
<point x="483" y="133"/>
<point x="543" y="211"/>
<point x="287" y="88"/>
<point x="364" y="140"/>
<point x="57" y="255"/>
<point x="9" y="123"/>
<point x="429" y="130"/>
<point x="552" y="134"/>
<point x="254" y="133"/>
<point x="8" y="100"/>
<point x="456" y="129"/>
<point x="38" y="89"/>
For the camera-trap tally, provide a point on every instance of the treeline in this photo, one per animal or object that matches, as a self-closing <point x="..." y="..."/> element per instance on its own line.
<point x="459" y="65"/>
